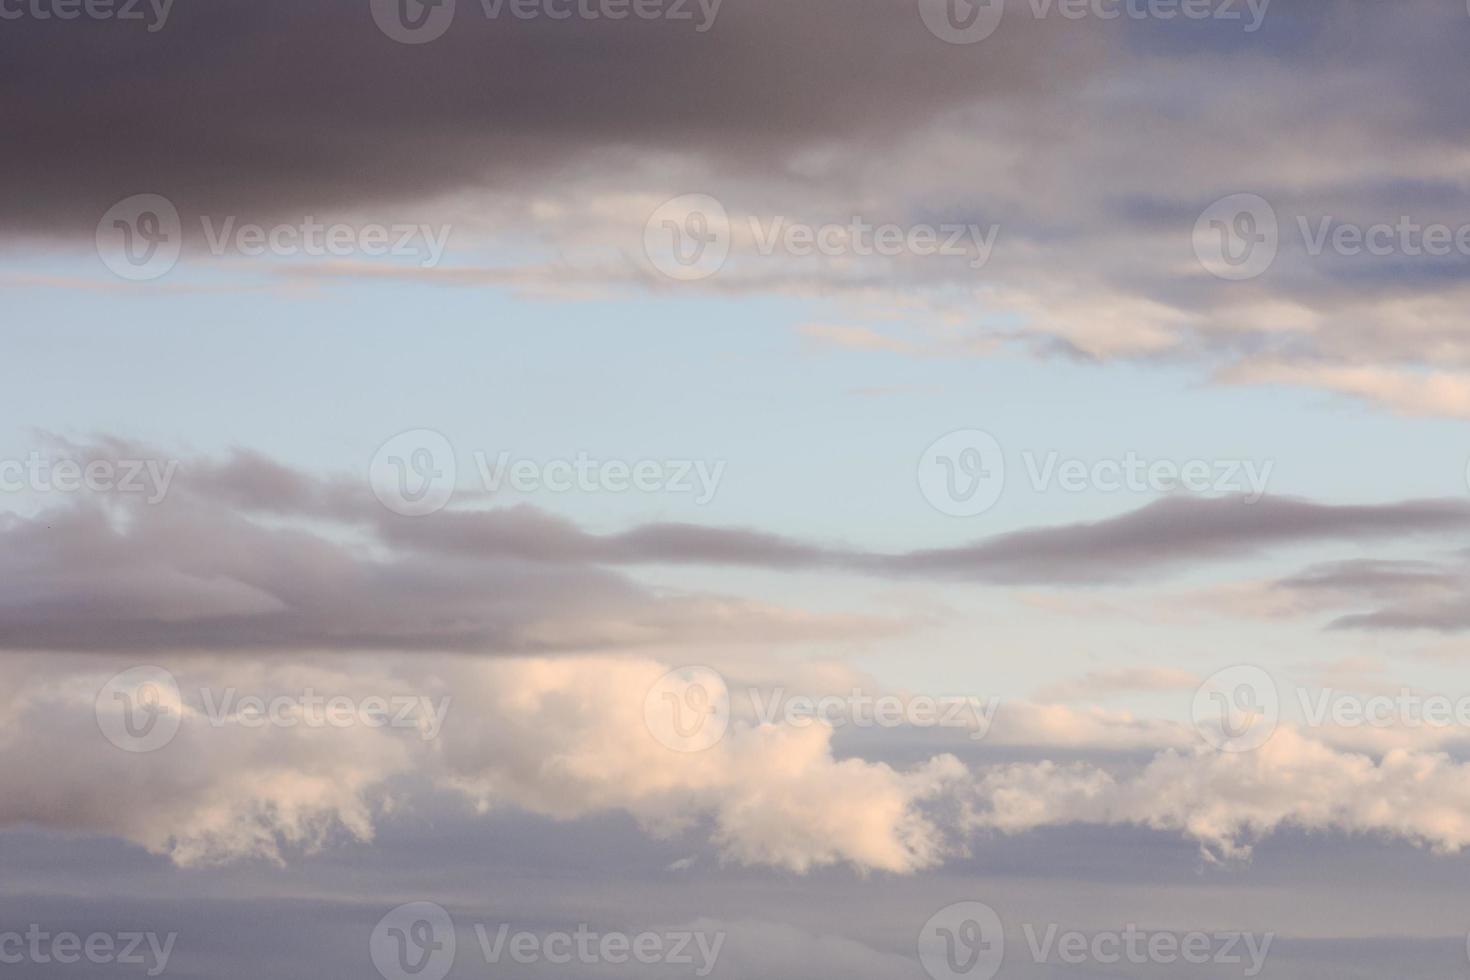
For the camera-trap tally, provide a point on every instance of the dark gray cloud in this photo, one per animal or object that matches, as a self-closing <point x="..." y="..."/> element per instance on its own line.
<point x="1169" y="532"/>
<point x="245" y="553"/>
<point x="262" y="106"/>
<point x="272" y="110"/>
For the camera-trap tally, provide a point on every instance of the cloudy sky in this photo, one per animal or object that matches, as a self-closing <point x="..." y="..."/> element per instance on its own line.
<point x="734" y="488"/>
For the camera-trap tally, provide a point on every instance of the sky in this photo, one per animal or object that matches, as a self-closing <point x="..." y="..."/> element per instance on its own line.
<point x="730" y="488"/>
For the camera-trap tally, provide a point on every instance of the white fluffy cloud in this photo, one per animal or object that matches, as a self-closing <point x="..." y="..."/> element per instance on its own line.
<point x="566" y="738"/>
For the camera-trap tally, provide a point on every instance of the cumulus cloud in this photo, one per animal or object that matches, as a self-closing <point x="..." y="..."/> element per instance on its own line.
<point x="567" y="738"/>
<point x="1229" y="801"/>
